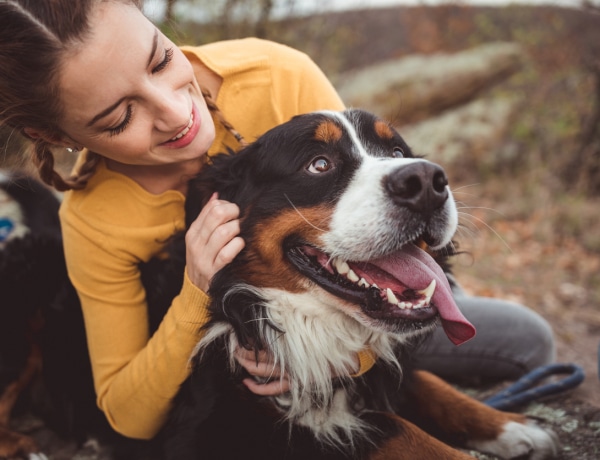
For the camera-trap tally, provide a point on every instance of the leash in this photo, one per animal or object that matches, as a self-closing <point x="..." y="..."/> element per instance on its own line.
<point x="526" y="390"/>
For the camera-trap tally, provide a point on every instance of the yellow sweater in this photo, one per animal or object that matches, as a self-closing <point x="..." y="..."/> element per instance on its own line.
<point x="113" y="224"/>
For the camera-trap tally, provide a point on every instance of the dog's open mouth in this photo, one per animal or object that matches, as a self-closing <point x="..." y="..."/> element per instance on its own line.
<point x="404" y="286"/>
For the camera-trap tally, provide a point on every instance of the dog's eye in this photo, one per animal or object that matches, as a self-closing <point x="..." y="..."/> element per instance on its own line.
<point x="319" y="165"/>
<point x="398" y="152"/>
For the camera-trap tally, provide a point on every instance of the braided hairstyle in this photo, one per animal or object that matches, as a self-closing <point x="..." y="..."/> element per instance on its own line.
<point x="35" y="35"/>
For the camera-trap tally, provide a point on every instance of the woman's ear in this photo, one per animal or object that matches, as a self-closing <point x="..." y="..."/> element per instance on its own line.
<point x="54" y="139"/>
<point x="35" y="134"/>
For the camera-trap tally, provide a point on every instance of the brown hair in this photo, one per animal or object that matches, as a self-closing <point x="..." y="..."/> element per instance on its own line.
<point x="34" y="36"/>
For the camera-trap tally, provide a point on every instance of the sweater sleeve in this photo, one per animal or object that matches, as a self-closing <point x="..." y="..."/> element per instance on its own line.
<point x="135" y="376"/>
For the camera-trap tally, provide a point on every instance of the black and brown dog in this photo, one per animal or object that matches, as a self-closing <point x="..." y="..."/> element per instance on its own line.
<point x="346" y="235"/>
<point x="347" y="239"/>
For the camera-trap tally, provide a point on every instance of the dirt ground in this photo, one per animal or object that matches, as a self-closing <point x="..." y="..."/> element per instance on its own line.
<point x="516" y="248"/>
<point x="576" y="423"/>
<point x="522" y="259"/>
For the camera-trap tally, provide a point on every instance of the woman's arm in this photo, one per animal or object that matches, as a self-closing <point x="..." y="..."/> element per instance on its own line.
<point x="137" y="376"/>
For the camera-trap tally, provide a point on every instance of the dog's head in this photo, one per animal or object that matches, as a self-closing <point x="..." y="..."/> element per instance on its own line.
<point x="337" y="200"/>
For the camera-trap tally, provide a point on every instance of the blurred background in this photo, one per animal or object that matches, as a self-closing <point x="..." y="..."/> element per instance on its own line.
<point x="506" y="96"/>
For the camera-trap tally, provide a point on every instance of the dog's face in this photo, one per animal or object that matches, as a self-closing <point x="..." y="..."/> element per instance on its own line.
<point x="337" y="201"/>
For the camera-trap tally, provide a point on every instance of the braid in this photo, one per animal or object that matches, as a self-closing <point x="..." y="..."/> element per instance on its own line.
<point x="212" y="106"/>
<point x="43" y="159"/>
<point x="87" y="169"/>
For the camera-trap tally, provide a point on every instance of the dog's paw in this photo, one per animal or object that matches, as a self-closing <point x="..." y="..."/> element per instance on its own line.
<point x="37" y="456"/>
<point x="517" y="440"/>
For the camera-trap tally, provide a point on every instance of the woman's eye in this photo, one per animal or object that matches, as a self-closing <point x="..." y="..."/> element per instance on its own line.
<point x="165" y="62"/>
<point x="121" y="126"/>
<point x="398" y="152"/>
<point x="319" y="165"/>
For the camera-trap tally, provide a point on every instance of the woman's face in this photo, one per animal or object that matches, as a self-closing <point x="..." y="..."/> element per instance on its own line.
<point x="130" y="95"/>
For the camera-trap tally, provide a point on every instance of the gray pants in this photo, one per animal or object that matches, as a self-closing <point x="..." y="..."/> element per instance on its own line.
<point x="511" y="340"/>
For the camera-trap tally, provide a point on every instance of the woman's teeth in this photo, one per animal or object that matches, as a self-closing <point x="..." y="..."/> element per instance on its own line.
<point x="185" y="130"/>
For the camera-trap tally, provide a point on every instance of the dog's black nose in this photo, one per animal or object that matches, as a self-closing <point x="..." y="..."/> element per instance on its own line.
<point x="419" y="186"/>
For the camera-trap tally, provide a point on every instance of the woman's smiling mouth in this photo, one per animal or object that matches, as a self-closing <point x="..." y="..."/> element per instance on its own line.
<point x="185" y="130"/>
<point x="187" y="134"/>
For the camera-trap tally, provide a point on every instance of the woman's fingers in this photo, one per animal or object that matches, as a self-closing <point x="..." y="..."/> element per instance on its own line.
<point x="257" y="364"/>
<point x="273" y="388"/>
<point x="212" y="241"/>
<point x="261" y="365"/>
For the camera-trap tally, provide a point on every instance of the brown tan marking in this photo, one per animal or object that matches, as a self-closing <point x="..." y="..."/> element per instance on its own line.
<point x="383" y="130"/>
<point x="265" y="251"/>
<point x="455" y="412"/>
<point x="328" y="132"/>
<point x="11" y="442"/>
<point x="412" y="443"/>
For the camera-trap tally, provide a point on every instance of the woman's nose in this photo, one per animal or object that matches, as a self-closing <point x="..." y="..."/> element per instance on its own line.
<point x="171" y="109"/>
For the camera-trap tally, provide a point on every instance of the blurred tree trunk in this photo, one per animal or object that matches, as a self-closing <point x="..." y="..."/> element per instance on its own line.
<point x="226" y="17"/>
<point x="585" y="164"/>
<point x="583" y="167"/>
<point x="264" y="16"/>
<point x="591" y="129"/>
<point x="170" y="12"/>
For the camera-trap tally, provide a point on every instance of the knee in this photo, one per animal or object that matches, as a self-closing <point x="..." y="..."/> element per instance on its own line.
<point x="538" y="347"/>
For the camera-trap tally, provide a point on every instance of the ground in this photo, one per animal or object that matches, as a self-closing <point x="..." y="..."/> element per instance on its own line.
<point x="576" y="423"/>
<point x="526" y="259"/>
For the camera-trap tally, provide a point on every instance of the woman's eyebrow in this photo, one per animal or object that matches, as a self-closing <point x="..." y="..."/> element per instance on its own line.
<point x="154" y="46"/>
<point x="105" y="112"/>
<point x="109" y="109"/>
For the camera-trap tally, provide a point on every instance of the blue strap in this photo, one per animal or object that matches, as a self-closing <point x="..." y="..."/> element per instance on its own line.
<point x="524" y="390"/>
<point x="6" y="228"/>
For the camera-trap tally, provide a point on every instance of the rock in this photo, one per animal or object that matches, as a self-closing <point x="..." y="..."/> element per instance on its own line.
<point x="475" y="130"/>
<point x="416" y="87"/>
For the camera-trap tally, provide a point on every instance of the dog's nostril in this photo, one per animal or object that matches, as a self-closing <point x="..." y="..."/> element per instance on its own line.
<point x="411" y="187"/>
<point x="419" y="186"/>
<point x="440" y="181"/>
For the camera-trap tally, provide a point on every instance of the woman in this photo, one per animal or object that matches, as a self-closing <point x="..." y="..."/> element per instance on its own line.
<point x="97" y="75"/>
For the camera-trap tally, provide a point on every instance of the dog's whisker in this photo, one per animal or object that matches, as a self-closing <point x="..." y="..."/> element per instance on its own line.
<point x="464" y="231"/>
<point x="489" y="227"/>
<point x="466" y="186"/>
<point x="485" y="208"/>
<point x="301" y="215"/>
<point x="460" y="190"/>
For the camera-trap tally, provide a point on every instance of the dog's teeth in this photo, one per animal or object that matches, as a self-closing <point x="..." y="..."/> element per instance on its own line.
<point x="427" y="293"/>
<point x="391" y="298"/>
<point x="342" y="267"/>
<point x="404" y="305"/>
<point x="352" y="276"/>
<point x="375" y="286"/>
<point x="420" y="304"/>
<point x="363" y="283"/>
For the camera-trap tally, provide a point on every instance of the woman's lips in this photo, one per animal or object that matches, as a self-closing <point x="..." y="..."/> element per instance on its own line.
<point x="187" y="134"/>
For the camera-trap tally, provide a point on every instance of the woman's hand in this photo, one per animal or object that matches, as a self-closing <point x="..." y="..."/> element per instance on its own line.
<point x="212" y="241"/>
<point x="264" y="368"/>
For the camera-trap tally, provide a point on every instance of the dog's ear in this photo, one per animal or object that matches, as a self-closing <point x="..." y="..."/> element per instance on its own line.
<point x="243" y="308"/>
<point x="230" y="175"/>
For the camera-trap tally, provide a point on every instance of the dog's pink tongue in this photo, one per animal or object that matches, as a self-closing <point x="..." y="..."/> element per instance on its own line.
<point x="415" y="268"/>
